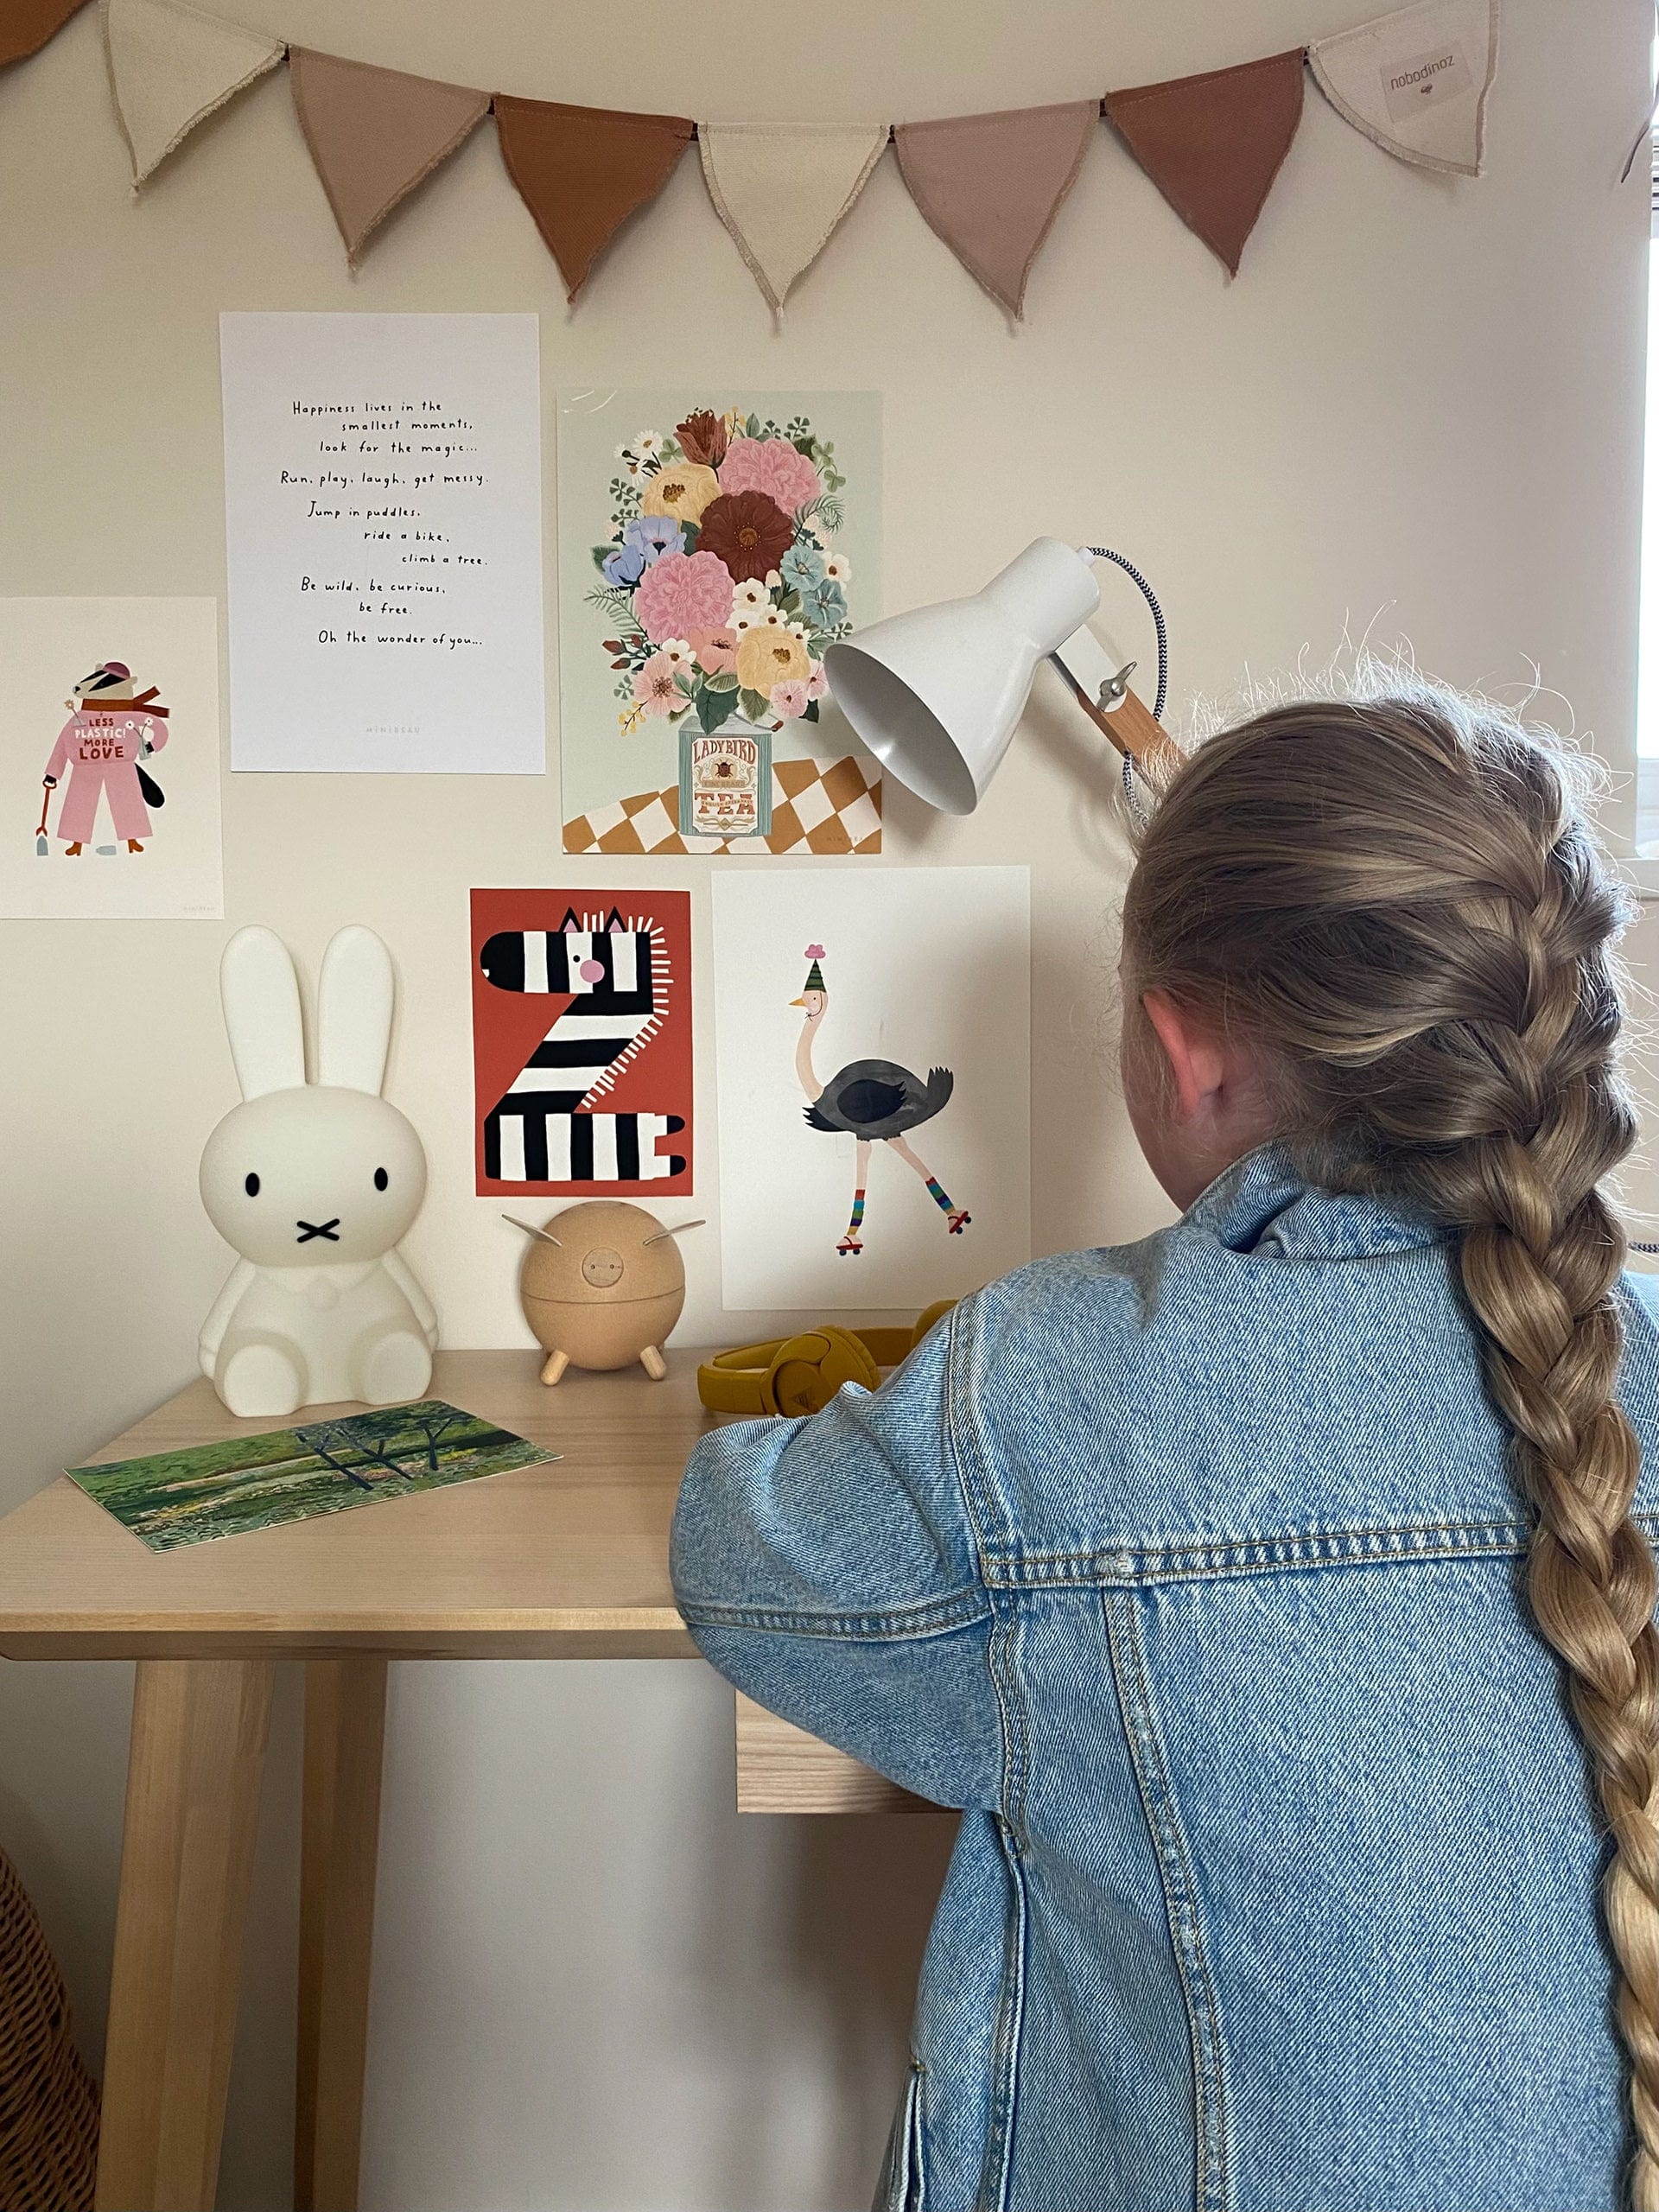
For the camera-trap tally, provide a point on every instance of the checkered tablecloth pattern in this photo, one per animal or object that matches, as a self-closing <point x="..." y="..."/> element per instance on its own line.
<point x="817" y="806"/>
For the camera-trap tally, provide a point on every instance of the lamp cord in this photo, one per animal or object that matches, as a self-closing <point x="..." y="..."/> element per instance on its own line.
<point x="1105" y="553"/>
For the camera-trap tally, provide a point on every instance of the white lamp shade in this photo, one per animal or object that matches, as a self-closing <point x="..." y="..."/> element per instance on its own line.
<point x="937" y="694"/>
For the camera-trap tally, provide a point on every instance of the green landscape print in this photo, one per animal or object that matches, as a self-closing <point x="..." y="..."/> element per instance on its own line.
<point x="170" y="1498"/>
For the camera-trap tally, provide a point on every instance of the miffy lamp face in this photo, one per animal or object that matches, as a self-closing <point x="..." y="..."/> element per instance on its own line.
<point x="343" y="1183"/>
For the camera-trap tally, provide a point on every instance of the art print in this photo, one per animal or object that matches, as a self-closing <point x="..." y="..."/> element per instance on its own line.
<point x="383" y="515"/>
<point x="873" y="1036"/>
<point x="244" y="1482"/>
<point x="713" y="546"/>
<point x="109" y="757"/>
<point x="581" y="1043"/>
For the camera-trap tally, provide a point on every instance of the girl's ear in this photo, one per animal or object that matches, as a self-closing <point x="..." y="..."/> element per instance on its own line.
<point x="1196" y="1061"/>
<point x="354" y="999"/>
<point x="260" y="995"/>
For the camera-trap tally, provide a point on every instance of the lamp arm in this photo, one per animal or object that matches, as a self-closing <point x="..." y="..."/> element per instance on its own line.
<point x="1105" y="553"/>
<point x="1093" y="678"/>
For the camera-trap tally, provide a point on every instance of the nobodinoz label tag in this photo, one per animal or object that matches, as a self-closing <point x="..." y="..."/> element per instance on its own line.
<point x="1426" y="80"/>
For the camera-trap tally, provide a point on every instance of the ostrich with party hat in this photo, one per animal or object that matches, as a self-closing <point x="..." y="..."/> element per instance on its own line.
<point x="877" y="1102"/>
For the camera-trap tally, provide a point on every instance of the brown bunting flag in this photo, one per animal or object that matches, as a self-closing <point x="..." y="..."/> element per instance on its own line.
<point x="1212" y="144"/>
<point x="375" y="134"/>
<point x="582" y="171"/>
<point x="26" y="25"/>
<point x="991" y="185"/>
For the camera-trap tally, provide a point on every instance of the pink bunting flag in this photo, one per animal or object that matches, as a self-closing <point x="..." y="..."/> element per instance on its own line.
<point x="992" y="184"/>
<point x="375" y="134"/>
<point x="1213" y="144"/>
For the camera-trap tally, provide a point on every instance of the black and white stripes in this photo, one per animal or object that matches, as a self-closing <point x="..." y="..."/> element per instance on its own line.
<point x="616" y="972"/>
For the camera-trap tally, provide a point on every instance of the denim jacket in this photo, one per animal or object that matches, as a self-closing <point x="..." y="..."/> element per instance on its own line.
<point x="1192" y="1571"/>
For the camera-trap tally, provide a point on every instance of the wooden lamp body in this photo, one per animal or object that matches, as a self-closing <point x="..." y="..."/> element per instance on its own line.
<point x="608" y="1293"/>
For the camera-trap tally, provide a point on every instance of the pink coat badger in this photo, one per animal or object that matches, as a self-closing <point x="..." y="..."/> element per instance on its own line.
<point x="110" y="730"/>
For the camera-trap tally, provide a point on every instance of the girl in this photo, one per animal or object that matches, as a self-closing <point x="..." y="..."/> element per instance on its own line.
<point x="1275" y="1596"/>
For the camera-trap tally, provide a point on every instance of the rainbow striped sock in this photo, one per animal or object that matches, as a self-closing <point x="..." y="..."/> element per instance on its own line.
<point x="940" y="1196"/>
<point x="857" y="1221"/>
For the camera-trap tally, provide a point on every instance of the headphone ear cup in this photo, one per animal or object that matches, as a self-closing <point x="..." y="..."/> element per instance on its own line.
<point x="807" y="1370"/>
<point x="850" y="1361"/>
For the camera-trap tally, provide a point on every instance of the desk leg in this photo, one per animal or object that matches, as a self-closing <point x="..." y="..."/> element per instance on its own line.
<point x="187" y="1861"/>
<point x="345" y="1726"/>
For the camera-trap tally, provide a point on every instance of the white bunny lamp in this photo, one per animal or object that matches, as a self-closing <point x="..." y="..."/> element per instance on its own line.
<point x="314" y="1184"/>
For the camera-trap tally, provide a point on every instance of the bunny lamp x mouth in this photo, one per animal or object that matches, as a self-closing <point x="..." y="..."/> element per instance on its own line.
<point x="298" y="1165"/>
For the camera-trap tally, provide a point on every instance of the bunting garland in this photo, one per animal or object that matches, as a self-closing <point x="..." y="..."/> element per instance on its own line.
<point x="582" y="171"/>
<point x="375" y="134"/>
<point x="171" y="67"/>
<point x="1414" y="81"/>
<point x="991" y="186"/>
<point x="26" y="25"/>
<point x="1213" y="144"/>
<point x="783" y="189"/>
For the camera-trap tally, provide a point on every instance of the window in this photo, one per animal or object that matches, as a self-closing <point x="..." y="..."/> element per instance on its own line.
<point x="1647" y="713"/>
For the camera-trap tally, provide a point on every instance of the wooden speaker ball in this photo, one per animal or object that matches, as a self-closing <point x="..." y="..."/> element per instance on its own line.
<point x="603" y="1285"/>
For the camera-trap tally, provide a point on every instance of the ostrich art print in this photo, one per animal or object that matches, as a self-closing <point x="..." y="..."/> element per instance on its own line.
<point x="876" y="1102"/>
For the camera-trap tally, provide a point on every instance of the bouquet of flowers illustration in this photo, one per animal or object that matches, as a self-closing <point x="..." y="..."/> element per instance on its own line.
<point x="721" y="577"/>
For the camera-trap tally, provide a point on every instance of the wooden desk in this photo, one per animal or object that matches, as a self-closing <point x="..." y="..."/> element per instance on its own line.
<point x="568" y="1561"/>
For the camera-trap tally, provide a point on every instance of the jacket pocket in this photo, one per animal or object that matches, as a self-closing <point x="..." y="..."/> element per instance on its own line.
<point x="904" y="2175"/>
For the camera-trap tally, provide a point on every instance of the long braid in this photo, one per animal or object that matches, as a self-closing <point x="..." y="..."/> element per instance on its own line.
<point x="1400" y="902"/>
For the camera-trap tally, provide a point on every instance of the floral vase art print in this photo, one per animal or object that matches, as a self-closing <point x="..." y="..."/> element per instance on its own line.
<point x="709" y="560"/>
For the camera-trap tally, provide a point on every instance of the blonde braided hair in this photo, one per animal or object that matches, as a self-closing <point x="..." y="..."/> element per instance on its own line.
<point x="1397" y="902"/>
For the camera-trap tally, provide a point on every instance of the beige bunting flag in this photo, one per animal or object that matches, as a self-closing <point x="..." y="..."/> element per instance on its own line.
<point x="170" y="68"/>
<point x="991" y="185"/>
<point x="26" y="25"/>
<point x="1416" y="81"/>
<point x="1213" y="144"/>
<point x="783" y="189"/>
<point x="375" y="134"/>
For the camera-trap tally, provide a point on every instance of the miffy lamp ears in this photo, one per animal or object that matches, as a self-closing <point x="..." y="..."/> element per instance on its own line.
<point x="354" y="999"/>
<point x="262" y="1013"/>
<point x="261" y="994"/>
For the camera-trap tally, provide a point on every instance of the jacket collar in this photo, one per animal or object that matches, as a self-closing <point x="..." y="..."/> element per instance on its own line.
<point x="1261" y="1204"/>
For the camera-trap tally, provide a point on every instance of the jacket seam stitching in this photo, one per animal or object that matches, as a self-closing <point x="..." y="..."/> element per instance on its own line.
<point x="916" y="1622"/>
<point x="994" y="2173"/>
<point x="993" y="2195"/>
<point x="954" y="1413"/>
<point x="1212" y="2179"/>
<point x="1336" y="1547"/>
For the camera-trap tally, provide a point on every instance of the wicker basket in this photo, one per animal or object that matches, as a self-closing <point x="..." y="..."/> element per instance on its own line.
<point x="49" y="2106"/>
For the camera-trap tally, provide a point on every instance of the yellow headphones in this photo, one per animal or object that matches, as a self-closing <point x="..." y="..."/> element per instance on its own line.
<point x="800" y="1375"/>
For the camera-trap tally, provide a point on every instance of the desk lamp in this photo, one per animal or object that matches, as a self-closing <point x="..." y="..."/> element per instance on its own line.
<point x="937" y="694"/>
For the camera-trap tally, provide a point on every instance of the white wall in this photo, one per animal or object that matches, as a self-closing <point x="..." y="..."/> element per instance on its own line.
<point x="1417" y="410"/>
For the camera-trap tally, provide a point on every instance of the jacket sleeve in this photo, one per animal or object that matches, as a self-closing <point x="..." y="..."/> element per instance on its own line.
<point x="54" y="767"/>
<point x="827" y="1566"/>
